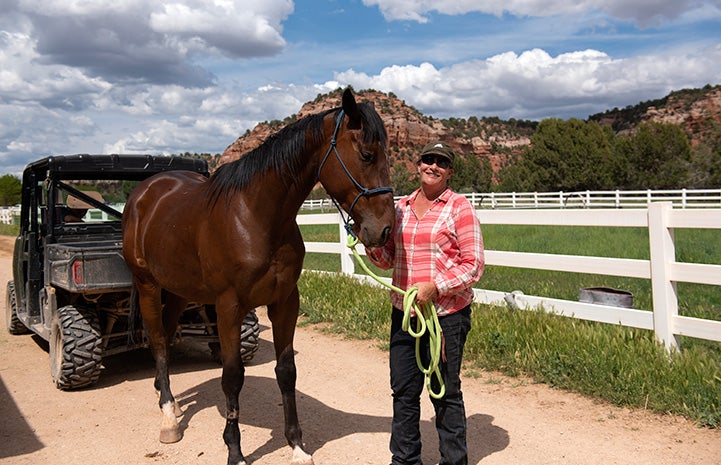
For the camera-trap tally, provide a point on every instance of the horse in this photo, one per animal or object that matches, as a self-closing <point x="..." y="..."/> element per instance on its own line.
<point x="232" y="240"/>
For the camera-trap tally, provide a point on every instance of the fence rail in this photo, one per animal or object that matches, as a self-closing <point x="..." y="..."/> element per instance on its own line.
<point x="662" y="268"/>
<point x="680" y="198"/>
<point x="8" y="214"/>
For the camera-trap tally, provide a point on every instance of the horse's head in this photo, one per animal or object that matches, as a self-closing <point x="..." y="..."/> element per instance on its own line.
<point x="355" y="170"/>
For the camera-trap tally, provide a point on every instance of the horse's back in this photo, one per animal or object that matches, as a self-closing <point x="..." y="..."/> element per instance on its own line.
<point x="161" y="217"/>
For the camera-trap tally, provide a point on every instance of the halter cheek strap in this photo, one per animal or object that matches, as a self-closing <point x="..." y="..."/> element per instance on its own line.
<point x="363" y="191"/>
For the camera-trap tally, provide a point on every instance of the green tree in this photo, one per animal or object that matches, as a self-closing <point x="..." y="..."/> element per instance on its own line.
<point x="705" y="166"/>
<point x="403" y="180"/>
<point x="515" y="177"/>
<point x="470" y="174"/>
<point x="657" y="156"/>
<point x="568" y="155"/>
<point x="10" y="190"/>
<point x="560" y="157"/>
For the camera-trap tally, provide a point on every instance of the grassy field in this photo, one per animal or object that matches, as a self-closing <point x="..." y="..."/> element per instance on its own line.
<point x="625" y="366"/>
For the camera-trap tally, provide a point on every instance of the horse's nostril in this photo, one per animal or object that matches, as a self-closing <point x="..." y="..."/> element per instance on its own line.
<point x="386" y="234"/>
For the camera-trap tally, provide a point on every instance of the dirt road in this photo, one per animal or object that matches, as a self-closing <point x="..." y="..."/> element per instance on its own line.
<point x="344" y="406"/>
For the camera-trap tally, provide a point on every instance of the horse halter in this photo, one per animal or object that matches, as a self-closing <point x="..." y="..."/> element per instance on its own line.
<point x="363" y="191"/>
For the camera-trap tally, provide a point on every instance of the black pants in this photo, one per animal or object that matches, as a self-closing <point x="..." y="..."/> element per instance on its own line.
<point x="408" y="383"/>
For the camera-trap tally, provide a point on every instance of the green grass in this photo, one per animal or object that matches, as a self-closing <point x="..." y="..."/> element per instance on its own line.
<point x="624" y="366"/>
<point x="9" y="229"/>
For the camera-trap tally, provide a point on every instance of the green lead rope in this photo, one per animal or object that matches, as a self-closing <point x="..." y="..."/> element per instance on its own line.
<point x="427" y="321"/>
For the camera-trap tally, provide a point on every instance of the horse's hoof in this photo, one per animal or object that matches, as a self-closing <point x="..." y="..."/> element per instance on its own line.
<point x="170" y="435"/>
<point x="176" y="410"/>
<point x="308" y="461"/>
<point x="304" y="462"/>
<point x="301" y="457"/>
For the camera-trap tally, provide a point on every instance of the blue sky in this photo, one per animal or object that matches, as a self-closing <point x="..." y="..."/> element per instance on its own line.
<point x="170" y="76"/>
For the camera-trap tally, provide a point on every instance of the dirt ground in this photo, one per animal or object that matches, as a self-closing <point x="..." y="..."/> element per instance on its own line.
<point x="344" y="406"/>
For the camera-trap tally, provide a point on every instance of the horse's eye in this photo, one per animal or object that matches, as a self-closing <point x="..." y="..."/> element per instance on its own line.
<point x="367" y="156"/>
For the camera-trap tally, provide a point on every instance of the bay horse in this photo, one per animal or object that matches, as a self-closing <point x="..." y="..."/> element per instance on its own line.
<point x="232" y="240"/>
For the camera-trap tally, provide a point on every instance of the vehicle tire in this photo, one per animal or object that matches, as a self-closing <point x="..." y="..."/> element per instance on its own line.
<point x="14" y="325"/>
<point x="76" y="348"/>
<point x="249" y="337"/>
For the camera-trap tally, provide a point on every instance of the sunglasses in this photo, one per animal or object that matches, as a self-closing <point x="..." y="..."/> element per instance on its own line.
<point x="441" y="162"/>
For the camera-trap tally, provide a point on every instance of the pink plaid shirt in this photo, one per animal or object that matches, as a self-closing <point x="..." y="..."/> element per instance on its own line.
<point x="445" y="246"/>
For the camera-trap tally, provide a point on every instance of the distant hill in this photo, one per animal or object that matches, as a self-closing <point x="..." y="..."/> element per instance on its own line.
<point x="409" y="130"/>
<point x="697" y="111"/>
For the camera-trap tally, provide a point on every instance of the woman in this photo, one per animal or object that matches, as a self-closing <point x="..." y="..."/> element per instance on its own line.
<point x="437" y="247"/>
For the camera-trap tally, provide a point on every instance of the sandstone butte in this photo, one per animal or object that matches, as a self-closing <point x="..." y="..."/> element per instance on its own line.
<point x="699" y="113"/>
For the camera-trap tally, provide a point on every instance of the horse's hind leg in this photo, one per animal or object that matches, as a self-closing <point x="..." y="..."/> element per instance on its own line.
<point x="160" y="329"/>
<point x="284" y="318"/>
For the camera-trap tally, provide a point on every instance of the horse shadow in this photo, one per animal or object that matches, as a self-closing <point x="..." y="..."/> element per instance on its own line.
<point x="321" y="423"/>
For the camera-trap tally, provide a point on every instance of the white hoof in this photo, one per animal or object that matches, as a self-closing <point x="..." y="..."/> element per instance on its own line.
<point x="169" y="429"/>
<point x="301" y="457"/>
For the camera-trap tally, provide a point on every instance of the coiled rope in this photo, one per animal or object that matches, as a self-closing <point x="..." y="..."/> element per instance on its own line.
<point x="427" y="320"/>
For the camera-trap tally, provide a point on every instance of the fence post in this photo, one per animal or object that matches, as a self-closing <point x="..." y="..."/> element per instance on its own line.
<point x="663" y="255"/>
<point x="346" y="258"/>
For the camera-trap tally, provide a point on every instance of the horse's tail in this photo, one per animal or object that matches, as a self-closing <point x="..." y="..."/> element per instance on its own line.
<point x="133" y="316"/>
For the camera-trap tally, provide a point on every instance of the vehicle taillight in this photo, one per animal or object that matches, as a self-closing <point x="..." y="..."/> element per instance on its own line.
<point x="78" y="272"/>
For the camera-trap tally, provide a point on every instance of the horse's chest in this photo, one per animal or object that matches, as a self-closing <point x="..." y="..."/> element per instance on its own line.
<point x="265" y="277"/>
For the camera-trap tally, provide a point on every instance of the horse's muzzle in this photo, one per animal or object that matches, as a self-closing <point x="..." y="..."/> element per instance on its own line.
<point x="373" y="236"/>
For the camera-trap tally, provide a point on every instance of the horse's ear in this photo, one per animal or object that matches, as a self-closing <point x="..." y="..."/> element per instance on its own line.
<point x="350" y="108"/>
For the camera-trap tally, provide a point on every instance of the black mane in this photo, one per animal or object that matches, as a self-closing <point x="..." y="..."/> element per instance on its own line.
<point x="283" y="152"/>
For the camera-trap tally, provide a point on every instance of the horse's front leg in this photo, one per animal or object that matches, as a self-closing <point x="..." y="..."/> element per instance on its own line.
<point x="284" y="318"/>
<point x="230" y="321"/>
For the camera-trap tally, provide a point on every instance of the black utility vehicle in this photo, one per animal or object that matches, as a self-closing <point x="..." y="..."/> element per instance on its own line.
<point x="70" y="284"/>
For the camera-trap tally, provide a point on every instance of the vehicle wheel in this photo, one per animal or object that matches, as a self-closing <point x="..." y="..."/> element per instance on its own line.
<point x="76" y="347"/>
<point x="14" y="325"/>
<point x="249" y="337"/>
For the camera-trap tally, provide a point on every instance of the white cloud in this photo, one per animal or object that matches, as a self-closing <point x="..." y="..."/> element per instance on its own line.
<point x="642" y="12"/>
<point x="235" y="28"/>
<point x="536" y="85"/>
<point x="147" y="41"/>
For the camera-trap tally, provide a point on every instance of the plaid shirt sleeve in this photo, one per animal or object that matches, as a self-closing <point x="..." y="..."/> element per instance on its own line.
<point x="460" y="261"/>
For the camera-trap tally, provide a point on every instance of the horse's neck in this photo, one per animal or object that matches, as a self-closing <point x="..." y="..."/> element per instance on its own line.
<point x="281" y="199"/>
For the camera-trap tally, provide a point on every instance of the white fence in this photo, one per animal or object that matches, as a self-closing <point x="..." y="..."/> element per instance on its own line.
<point x="8" y="214"/>
<point x="680" y="198"/>
<point x="662" y="269"/>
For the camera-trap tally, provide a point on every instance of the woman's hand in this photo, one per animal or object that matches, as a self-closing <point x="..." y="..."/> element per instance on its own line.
<point x="426" y="292"/>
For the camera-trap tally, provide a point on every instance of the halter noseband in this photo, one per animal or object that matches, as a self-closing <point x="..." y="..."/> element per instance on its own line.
<point x="363" y="192"/>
